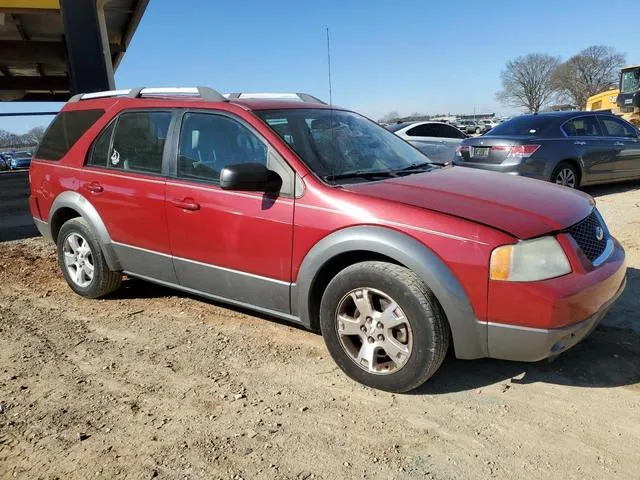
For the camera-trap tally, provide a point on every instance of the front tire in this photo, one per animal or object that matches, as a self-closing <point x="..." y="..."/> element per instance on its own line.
<point x="565" y="174"/>
<point x="82" y="261"/>
<point x="383" y="327"/>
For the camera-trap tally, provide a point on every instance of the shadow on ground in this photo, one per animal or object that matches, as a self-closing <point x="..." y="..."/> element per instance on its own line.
<point x="609" y="189"/>
<point x="610" y="357"/>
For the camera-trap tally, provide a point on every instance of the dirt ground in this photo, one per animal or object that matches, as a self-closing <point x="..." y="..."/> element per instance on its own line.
<point x="153" y="383"/>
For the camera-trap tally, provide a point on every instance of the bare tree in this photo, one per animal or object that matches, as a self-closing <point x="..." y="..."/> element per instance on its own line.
<point x="526" y="81"/>
<point x="390" y="117"/>
<point x="591" y="71"/>
<point x="34" y="135"/>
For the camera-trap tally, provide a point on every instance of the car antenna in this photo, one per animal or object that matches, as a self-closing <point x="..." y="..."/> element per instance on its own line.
<point x="329" y="67"/>
<point x="331" y="126"/>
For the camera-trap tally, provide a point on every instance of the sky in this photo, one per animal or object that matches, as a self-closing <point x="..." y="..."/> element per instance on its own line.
<point x="413" y="56"/>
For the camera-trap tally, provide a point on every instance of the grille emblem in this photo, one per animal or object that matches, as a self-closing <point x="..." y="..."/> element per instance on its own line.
<point x="599" y="233"/>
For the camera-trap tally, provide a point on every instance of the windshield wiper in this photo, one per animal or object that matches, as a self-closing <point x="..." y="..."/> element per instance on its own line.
<point x="415" y="166"/>
<point x="360" y="174"/>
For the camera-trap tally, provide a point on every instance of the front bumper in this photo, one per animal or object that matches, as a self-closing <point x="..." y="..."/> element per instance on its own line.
<point x="552" y="315"/>
<point x="525" y="344"/>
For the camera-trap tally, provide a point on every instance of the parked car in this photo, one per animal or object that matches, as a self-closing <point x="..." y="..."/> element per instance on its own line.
<point x="316" y="215"/>
<point x="4" y="161"/>
<point x="488" y="124"/>
<point x="436" y="140"/>
<point x="20" y="160"/>
<point x="469" y="126"/>
<point x="568" y="148"/>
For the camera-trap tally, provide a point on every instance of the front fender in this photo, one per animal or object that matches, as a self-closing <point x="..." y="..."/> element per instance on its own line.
<point x="80" y="204"/>
<point x="469" y="335"/>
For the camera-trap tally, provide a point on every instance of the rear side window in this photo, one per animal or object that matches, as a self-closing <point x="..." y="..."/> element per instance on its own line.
<point x="582" y="127"/>
<point x="424" y="130"/>
<point x="65" y="130"/>
<point x="134" y="142"/>
<point x="526" y="126"/>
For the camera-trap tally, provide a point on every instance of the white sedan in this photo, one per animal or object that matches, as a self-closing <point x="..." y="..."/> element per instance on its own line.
<point x="436" y="140"/>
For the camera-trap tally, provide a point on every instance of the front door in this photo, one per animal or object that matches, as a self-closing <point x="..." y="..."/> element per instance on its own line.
<point x="232" y="245"/>
<point x="123" y="180"/>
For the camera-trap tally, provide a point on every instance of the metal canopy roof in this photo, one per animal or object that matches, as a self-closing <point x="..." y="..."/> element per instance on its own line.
<point x="33" y="54"/>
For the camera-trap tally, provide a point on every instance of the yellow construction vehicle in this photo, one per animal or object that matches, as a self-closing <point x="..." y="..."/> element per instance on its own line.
<point x="623" y="101"/>
<point x="629" y="97"/>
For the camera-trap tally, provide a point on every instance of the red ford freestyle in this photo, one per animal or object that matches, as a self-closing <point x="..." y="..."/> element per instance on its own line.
<point x="319" y="216"/>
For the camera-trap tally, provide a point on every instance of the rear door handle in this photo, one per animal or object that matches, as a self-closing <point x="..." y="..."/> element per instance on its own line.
<point x="186" y="204"/>
<point x="95" y="187"/>
<point x="579" y="143"/>
<point x="619" y="144"/>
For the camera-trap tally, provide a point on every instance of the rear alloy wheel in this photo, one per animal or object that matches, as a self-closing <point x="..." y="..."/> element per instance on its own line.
<point x="565" y="174"/>
<point x="383" y="326"/>
<point x="82" y="261"/>
<point x="478" y="130"/>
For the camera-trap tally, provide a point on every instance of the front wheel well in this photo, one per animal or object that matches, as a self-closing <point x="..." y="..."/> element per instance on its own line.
<point x="60" y="217"/>
<point x="329" y="270"/>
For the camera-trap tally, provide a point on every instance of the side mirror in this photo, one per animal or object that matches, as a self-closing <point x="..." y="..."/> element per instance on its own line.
<point x="250" y="177"/>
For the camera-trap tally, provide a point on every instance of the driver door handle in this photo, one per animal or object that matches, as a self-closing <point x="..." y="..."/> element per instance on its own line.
<point x="95" y="187"/>
<point x="186" y="204"/>
<point x="579" y="143"/>
<point x="619" y="144"/>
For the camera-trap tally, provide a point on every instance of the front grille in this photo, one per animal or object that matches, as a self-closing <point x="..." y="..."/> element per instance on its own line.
<point x="585" y="233"/>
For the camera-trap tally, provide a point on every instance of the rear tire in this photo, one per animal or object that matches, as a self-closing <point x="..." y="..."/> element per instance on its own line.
<point x="565" y="174"/>
<point x="82" y="261"/>
<point x="383" y="326"/>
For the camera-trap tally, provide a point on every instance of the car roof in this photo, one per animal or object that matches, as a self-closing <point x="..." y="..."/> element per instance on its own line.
<point x="570" y="114"/>
<point x="102" y="100"/>
<point x="278" y="104"/>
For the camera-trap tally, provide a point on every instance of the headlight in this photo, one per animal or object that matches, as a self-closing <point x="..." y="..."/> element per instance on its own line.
<point x="528" y="261"/>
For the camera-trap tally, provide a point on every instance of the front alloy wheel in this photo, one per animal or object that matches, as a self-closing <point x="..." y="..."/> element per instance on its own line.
<point x="374" y="331"/>
<point x="383" y="326"/>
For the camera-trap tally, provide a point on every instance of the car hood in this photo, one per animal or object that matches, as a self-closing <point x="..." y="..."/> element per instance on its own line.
<point x="522" y="207"/>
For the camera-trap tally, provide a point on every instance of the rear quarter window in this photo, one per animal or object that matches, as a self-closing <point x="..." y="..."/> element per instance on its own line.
<point x="65" y="130"/>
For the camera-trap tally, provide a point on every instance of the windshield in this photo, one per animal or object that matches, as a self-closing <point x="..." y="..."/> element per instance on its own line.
<point x="631" y="81"/>
<point x="335" y="143"/>
<point x="526" y="125"/>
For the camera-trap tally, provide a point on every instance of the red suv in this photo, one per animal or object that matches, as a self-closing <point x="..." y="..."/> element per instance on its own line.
<point x="319" y="216"/>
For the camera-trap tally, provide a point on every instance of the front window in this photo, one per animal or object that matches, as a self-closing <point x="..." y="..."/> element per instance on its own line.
<point x="339" y="145"/>
<point x="631" y="81"/>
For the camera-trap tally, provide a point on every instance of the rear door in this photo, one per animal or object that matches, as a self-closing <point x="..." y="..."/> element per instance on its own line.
<point x="626" y="144"/>
<point x="229" y="244"/>
<point x="586" y="142"/>
<point x="123" y="179"/>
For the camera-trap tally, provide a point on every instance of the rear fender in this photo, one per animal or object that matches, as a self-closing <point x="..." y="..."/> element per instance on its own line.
<point x="80" y="204"/>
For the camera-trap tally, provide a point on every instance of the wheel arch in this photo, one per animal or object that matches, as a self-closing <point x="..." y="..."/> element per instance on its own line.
<point x="574" y="163"/>
<point x="351" y="245"/>
<point x="70" y="205"/>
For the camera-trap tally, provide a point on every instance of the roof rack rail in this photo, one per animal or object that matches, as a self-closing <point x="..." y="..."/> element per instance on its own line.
<point x="205" y="93"/>
<point x="304" y="97"/>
